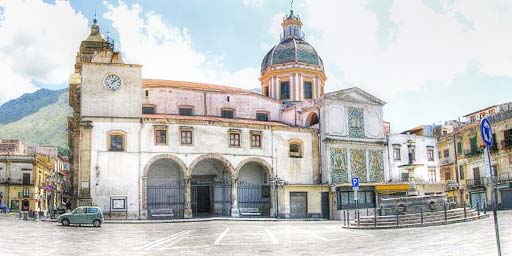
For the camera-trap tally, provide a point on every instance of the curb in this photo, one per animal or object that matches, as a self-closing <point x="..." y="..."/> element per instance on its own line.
<point x="204" y="220"/>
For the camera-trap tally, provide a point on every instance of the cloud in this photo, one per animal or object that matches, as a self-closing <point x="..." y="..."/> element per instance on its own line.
<point x="38" y="44"/>
<point x="403" y="45"/>
<point x="253" y="3"/>
<point x="167" y="52"/>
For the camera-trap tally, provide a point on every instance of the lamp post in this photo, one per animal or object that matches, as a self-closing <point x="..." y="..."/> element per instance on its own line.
<point x="276" y="183"/>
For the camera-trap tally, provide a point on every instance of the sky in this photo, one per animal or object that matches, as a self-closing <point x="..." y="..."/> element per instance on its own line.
<point x="430" y="60"/>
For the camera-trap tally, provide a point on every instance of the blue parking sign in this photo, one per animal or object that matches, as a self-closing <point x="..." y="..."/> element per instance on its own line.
<point x="355" y="182"/>
<point x="486" y="131"/>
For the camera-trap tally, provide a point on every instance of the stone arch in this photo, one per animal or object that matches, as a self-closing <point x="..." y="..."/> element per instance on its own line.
<point x="218" y="157"/>
<point x="174" y="158"/>
<point x="258" y="160"/>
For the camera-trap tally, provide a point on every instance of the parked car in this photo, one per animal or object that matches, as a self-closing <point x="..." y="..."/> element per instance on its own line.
<point x="83" y="215"/>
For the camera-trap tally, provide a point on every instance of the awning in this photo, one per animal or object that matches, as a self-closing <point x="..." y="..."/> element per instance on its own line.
<point x="392" y="188"/>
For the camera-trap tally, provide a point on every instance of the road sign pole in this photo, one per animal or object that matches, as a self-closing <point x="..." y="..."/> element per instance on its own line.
<point x="486" y="132"/>
<point x="493" y="201"/>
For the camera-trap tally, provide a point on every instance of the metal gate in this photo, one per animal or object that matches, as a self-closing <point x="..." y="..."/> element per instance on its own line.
<point x="165" y="201"/>
<point x="254" y="196"/>
<point x="222" y="198"/>
<point x="506" y="199"/>
<point x="298" y="205"/>
<point x="210" y="198"/>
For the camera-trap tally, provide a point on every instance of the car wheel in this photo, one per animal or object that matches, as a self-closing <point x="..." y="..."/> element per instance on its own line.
<point x="96" y="223"/>
<point x="65" y="222"/>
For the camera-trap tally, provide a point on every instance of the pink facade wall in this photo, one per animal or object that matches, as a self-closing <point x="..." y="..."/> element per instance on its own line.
<point x="168" y="101"/>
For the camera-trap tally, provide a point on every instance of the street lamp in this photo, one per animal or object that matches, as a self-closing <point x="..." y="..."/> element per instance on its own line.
<point x="276" y="183"/>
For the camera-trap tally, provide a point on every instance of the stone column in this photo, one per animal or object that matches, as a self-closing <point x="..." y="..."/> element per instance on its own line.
<point x="235" y="212"/>
<point x="187" y="214"/>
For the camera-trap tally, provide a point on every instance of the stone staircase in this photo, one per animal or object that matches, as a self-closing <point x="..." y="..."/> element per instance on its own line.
<point x="416" y="219"/>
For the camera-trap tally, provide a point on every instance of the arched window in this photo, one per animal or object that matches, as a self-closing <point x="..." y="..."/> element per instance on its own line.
<point x="312" y="119"/>
<point x="295" y="148"/>
<point x="116" y="141"/>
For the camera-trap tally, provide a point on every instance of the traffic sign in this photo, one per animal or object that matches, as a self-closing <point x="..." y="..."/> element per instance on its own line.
<point x="486" y="131"/>
<point x="355" y="182"/>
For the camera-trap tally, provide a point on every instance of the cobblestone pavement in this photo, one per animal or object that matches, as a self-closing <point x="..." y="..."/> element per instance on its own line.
<point x="251" y="238"/>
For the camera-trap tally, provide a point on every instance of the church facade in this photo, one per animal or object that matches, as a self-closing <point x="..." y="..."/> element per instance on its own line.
<point x="148" y="148"/>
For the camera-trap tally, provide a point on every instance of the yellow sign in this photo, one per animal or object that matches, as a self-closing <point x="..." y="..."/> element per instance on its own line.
<point x="392" y="187"/>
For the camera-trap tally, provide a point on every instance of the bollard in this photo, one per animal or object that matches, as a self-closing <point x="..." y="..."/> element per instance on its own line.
<point x="25" y="215"/>
<point x="375" y="217"/>
<point x="358" y="218"/>
<point x="465" y="214"/>
<point x="421" y="214"/>
<point x="396" y="212"/>
<point x="348" y="216"/>
<point x="344" y="218"/>
<point x="445" y="215"/>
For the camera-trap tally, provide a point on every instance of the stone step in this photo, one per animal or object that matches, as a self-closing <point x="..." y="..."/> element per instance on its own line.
<point x="371" y="220"/>
<point x="425" y="224"/>
<point x="418" y="215"/>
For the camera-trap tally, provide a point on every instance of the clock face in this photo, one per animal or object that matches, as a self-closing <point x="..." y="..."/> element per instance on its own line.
<point x="113" y="82"/>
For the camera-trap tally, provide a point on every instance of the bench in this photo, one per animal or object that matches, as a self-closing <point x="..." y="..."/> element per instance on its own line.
<point x="250" y="212"/>
<point x="162" y="213"/>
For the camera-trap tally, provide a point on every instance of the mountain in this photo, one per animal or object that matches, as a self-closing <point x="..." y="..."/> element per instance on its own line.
<point x="27" y="104"/>
<point x="39" y="118"/>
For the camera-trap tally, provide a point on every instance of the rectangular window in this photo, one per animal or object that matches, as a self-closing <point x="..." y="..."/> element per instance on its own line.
<point x="148" y="110"/>
<point x="366" y="199"/>
<point x="147" y="93"/>
<point x="446" y="153"/>
<point x="160" y="135"/>
<point x="473" y="144"/>
<point x="396" y="154"/>
<point x="15" y="205"/>
<point x="255" y="140"/>
<point x="116" y="142"/>
<point x="308" y="90"/>
<point x="186" y="111"/>
<point x="296" y="149"/>
<point x="447" y="175"/>
<point x="432" y="175"/>
<point x="285" y="90"/>
<point x="265" y="91"/>
<point x="430" y="154"/>
<point x="234" y="139"/>
<point x="461" y="172"/>
<point x="26" y="179"/>
<point x="260" y="116"/>
<point x="227" y="113"/>
<point x="459" y="147"/>
<point x="186" y="136"/>
<point x="405" y="176"/>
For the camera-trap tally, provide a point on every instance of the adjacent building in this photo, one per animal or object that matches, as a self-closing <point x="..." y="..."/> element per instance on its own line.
<point x="462" y="158"/>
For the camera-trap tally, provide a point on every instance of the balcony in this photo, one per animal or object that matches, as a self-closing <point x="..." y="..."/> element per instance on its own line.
<point x="503" y="178"/>
<point x="451" y="185"/>
<point x="472" y="152"/>
<point x="9" y="181"/>
<point x="447" y="161"/>
<point x="481" y="182"/>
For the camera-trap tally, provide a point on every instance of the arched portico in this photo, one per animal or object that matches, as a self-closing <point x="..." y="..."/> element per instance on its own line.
<point x="211" y="178"/>
<point x="164" y="182"/>
<point x="253" y="186"/>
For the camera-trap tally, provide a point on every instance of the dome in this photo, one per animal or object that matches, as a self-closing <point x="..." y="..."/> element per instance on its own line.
<point x="290" y="50"/>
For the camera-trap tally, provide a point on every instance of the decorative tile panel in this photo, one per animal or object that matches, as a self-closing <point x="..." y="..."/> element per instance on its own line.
<point x="358" y="164"/>
<point x="356" y="122"/>
<point x="339" y="168"/>
<point x="376" y="158"/>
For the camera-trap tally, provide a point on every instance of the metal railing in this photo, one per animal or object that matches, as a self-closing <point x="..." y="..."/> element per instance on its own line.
<point x="25" y="195"/>
<point x="10" y="181"/>
<point x="472" y="152"/>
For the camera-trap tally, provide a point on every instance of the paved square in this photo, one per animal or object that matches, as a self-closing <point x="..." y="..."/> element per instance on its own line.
<point x="252" y="238"/>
